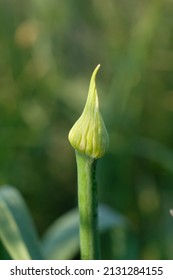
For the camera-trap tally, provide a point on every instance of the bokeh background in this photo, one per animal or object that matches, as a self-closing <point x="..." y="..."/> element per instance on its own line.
<point x="48" y="50"/>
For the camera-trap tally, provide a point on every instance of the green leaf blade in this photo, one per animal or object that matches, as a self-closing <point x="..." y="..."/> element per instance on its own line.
<point x="61" y="240"/>
<point x="17" y="231"/>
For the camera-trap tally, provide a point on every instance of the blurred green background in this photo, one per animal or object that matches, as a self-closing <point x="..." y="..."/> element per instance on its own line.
<point x="48" y="50"/>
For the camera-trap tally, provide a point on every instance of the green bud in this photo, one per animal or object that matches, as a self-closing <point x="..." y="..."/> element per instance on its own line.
<point x="89" y="135"/>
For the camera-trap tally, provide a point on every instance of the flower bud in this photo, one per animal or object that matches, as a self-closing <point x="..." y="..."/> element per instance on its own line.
<point x="89" y="135"/>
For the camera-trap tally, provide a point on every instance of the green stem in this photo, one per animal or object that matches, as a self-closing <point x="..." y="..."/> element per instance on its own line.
<point x="88" y="208"/>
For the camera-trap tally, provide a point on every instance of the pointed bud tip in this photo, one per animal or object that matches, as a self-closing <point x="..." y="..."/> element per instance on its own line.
<point x="95" y="71"/>
<point x="98" y="66"/>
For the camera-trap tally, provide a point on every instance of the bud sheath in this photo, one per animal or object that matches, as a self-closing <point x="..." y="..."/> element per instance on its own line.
<point x="89" y="135"/>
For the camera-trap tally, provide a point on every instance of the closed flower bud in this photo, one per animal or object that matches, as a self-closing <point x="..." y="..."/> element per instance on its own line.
<point x="89" y="135"/>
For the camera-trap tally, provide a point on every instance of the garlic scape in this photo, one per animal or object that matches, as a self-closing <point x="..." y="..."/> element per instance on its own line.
<point x="90" y="139"/>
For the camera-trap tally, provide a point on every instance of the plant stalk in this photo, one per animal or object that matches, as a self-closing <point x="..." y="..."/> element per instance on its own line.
<point x="88" y="207"/>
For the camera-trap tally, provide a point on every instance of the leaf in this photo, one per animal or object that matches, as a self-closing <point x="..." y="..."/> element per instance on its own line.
<point x="3" y="253"/>
<point x="61" y="241"/>
<point x="17" y="231"/>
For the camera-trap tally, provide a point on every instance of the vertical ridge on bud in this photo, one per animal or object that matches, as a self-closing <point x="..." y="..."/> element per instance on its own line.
<point x="89" y="135"/>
